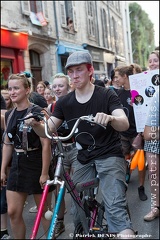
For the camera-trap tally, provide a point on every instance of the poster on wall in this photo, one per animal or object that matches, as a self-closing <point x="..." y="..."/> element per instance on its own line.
<point x="6" y="70"/>
<point x="143" y="86"/>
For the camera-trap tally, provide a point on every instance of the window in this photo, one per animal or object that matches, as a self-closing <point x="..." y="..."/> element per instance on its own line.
<point x="34" y="58"/>
<point x="104" y="28"/>
<point x="35" y="7"/>
<point x="63" y="63"/>
<point x="116" y="40"/>
<point x="96" y="66"/>
<point x="120" y="41"/>
<point x="91" y="19"/>
<point x="113" y="33"/>
<point x="117" y="3"/>
<point x="68" y="15"/>
<point x="36" y="68"/>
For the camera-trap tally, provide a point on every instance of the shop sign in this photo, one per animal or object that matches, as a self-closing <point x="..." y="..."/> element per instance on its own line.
<point x="13" y="39"/>
<point x="96" y="54"/>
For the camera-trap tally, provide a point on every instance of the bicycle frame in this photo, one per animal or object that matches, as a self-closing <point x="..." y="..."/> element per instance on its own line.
<point x="74" y="191"/>
<point x="71" y="187"/>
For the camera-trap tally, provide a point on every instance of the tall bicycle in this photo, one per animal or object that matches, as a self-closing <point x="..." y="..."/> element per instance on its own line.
<point x="92" y="223"/>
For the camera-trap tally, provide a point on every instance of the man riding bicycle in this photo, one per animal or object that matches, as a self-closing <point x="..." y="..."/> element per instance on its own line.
<point x="94" y="144"/>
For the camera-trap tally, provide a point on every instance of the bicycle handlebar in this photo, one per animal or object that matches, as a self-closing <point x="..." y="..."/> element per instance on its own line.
<point x="41" y="116"/>
<point x="37" y="116"/>
<point x="89" y="118"/>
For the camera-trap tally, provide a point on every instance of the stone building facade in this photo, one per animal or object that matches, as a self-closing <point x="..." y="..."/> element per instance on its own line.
<point x="38" y="36"/>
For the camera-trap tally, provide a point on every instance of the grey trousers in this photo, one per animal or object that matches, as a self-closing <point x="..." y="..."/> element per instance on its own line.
<point x="113" y="187"/>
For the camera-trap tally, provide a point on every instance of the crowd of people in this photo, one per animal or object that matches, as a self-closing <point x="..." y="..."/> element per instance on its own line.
<point x="67" y="97"/>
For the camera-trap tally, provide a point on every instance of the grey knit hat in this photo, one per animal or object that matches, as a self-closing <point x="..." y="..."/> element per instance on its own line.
<point x="78" y="58"/>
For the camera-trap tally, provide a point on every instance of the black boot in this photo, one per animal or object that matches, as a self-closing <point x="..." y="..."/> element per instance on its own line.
<point x="142" y="195"/>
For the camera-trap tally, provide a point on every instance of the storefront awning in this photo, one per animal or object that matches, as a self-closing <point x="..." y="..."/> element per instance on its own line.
<point x="14" y="39"/>
<point x="69" y="48"/>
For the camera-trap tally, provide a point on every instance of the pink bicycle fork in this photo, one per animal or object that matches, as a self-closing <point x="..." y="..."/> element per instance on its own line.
<point x="40" y="211"/>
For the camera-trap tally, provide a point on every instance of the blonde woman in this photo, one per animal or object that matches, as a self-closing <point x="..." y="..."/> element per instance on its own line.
<point x="30" y="166"/>
<point x="9" y="103"/>
<point x="61" y="87"/>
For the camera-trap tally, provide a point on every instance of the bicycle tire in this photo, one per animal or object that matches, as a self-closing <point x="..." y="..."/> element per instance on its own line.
<point x="100" y="223"/>
<point x="78" y="232"/>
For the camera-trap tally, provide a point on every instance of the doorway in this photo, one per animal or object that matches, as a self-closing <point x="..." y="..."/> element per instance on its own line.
<point x="36" y="68"/>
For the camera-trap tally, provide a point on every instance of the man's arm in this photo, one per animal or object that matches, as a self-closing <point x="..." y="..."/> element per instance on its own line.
<point x="118" y="120"/>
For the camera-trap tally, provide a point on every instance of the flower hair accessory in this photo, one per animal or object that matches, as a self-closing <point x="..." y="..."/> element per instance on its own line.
<point x="27" y="74"/>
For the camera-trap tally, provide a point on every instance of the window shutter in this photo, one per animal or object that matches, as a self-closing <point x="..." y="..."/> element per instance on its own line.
<point x="74" y="16"/>
<point x="25" y="7"/>
<point x="91" y="22"/>
<point x="45" y="10"/>
<point x="63" y="13"/>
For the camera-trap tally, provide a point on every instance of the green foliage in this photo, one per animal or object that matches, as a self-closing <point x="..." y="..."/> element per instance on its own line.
<point x="142" y="34"/>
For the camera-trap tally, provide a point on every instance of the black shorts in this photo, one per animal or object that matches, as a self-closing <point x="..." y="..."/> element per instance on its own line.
<point x="25" y="173"/>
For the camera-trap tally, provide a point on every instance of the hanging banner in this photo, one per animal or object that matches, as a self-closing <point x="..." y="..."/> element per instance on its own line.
<point x="41" y="18"/>
<point x="143" y="86"/>
<point x="34" y="19"/>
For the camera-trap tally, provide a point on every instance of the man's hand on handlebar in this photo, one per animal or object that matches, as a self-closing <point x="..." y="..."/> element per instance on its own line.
<point x="103" y="118"/>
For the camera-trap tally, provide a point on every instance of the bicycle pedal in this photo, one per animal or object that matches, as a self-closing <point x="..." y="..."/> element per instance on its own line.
<point x="96" y="229"/>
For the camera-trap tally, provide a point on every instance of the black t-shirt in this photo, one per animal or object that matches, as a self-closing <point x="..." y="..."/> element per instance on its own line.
<point x="92" y="140"/>
<point x="99" y="83"/>
<point x="63" y="131"/>
<point x="125" y="98"/>
<point x="15" y="129"/>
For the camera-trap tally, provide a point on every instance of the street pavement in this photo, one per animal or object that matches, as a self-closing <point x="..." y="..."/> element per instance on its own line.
<point x="138" y="209"/>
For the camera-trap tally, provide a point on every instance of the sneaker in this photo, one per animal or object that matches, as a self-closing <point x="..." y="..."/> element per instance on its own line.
<point x="6" y="236"/>
<point x="59" y="228"/>
<point x="154" y="213"/>
<point x="142" y="195"/>
<point x="33" y="209"/>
